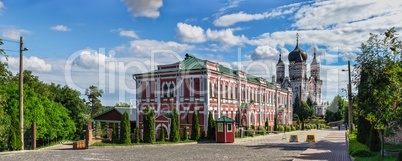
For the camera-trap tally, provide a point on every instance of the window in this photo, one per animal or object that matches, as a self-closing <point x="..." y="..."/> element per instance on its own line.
<point x="220" y="127"/>
<point x="171" y="90"/>
<point x="165" y="90"/>
<point x="229" y="127"/>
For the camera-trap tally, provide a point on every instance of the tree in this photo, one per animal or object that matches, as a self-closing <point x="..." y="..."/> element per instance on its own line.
<point x="162" y="134"/>
<point x="137" y="137"/>
<point x="303" y="110"/>
<point x="125" y="129"/>
<point x="149" y="125"/>
<point x="378" y="81"/>
<point x="4" y="126"/>
<point x="93" y="94"/>
<point x="185" y="133"/>
<point x="115" y="136"/>
<point x="266" y="125"/>
<point x="174" y="127"/>
<point x="195" y="127"/>
<point x="98" y="129"/>
<point x="211" y="127"/>
<point x="310" y="102"/>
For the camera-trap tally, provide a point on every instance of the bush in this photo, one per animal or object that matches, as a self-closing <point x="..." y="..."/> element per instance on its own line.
<point x="250" y="132"/>
<point x="261" y="130"/>
<point x="162" y="135"/>
<point x="280" y="128"/>
<point x="125" y="137"/>
<point x="399" y="156"/>
<point x="185" y="134"/>
<point x="195" y="128"/>
<point x="203" y="136"/>
<point x="357" y="149"/>
<point x="115" y="137"/>
<point x="288" y="128"/>
<point x="293" y="128"/>
<point x="137" y="135"/>
<point x="211" y="127"/>
<point x="174" y="127"/>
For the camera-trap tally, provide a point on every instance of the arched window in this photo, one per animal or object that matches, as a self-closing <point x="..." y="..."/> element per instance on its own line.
<point x="165" y="90"/>
<point x="171" y="90"/>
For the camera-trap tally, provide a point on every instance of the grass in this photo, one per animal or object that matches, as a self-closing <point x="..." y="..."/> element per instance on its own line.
<point x="376" y="157"/>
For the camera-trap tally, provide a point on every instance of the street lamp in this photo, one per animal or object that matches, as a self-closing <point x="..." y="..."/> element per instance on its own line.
<point x="350" y="114"/>
<point x="21" y="90"/>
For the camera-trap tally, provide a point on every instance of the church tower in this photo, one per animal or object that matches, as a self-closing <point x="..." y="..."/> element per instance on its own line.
<point x="297" y="71"/>
<point x="315" y="68"/>
<point x="280" y="70"/>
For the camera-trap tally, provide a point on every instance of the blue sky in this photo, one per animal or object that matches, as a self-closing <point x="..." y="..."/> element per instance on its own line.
<point x="102" y="43"/>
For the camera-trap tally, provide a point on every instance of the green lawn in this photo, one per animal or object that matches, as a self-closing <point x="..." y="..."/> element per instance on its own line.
<point x="376" y="157"/>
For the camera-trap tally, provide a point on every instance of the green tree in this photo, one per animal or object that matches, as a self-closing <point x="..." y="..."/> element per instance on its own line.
<point x="15" y="135"/>
<point x="137" y="137"/>
<point x="304" y="112"/>
<point x="174" y="127"/>
<point x="310" y="102"/>
<point x="211" y="127"/>
<point x="379" y="70"/>
<point x="162" y="134"/>
<point x="149" y="125"/>
<point x="4" y="126"/>
<point x="185" y="133"/>
<point x="195" y="127"/>
<point x="266" y="125"/>
<point x="93" y="94"/>
<point x="125" y="129"/>
<point x="115" y="136"/>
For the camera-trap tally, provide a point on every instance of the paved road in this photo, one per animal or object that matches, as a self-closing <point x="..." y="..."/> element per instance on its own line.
<point x="270" y="147"/>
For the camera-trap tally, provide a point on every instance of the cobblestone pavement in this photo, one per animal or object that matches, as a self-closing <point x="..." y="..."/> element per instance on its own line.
<point x="270" y="147"/>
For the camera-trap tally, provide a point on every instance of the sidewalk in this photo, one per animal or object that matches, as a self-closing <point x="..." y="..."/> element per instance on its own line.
<point x="332" y="147"/>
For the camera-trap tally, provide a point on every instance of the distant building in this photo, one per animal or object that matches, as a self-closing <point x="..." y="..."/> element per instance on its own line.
<point x="195" y="84"/>
<point x="297" y="80"/>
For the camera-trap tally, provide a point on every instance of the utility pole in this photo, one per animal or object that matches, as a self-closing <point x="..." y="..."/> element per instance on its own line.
<point x="350" y="113"/>
<point x="21" y="88"/>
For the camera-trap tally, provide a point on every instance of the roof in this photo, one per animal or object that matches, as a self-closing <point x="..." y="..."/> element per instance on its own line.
<point x="225" y="119"/>
<point x="130" y="111"/>
<point x="191" y="62"/>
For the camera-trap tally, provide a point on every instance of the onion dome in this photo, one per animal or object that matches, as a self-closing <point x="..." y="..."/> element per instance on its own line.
<point x="297" y="55"/>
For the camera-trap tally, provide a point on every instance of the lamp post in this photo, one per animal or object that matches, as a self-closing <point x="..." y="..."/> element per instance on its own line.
<point x="350" y="114"/>
<point x="21" y="90"/>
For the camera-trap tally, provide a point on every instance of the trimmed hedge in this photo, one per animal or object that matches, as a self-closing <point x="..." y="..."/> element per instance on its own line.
<point x="357" y="149"/>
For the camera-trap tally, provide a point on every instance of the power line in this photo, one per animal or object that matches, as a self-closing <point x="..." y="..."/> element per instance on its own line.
<point x="9" y="50"/>
<point x="9" y="40"/>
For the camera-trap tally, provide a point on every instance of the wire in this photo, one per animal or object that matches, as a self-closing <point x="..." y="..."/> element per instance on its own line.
<point x="9" y="40"/>
<point x="10" y="50"/>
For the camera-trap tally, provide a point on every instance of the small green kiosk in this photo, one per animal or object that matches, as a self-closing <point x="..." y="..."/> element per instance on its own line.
<point x="225" y="130"/>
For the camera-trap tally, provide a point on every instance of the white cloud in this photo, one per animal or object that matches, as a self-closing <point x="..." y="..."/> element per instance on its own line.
<point x="190" y="33"/>
<point x="13" y="34"/>
<point x="226" y="37"/>
<point x="231" y="19"/>
<point x="30" y="63"/>
<point x="60" y="28"/>
<point x="229" y="5"/>
<point x="90" y="59"/>
<point x="1" y="6"/>
<point x="332" y="14"/>
<point x="128" y="33"/>
<point x="144" y="48"/>
<point x="144" y="8"/>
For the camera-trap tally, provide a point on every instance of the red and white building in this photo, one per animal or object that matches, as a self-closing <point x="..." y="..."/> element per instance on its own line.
<point x="195" y="84"/>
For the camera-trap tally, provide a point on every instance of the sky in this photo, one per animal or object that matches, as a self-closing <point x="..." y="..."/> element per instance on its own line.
<point x="80" y="43"/>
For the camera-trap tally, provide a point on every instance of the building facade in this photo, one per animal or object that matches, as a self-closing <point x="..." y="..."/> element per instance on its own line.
<point x="195" y="84"/>
<point x="297" y="80"/>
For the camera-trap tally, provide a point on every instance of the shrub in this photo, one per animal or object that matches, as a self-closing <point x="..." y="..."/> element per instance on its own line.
<point x="374" y="141"/>
<point x="185" y="133"/>
<point x="250" y="132"/>
<point x="115" y="137"/>
<point x="211" y="127"/>
<point x="293" y="128"/>
<point x="137" y="135"/>
<point x="288" y="128"/>
<point x="174" y="127"/>
<point x="125" y="129"/>
<point x="202" y="137"/>
<point x="357" y="149"/>
<point x="280" y="128"/>
<point x="261" y="130"/>
<point x="195" y="128"/>
<point x="162" y="135"/>
<point x="399" y="156"/>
